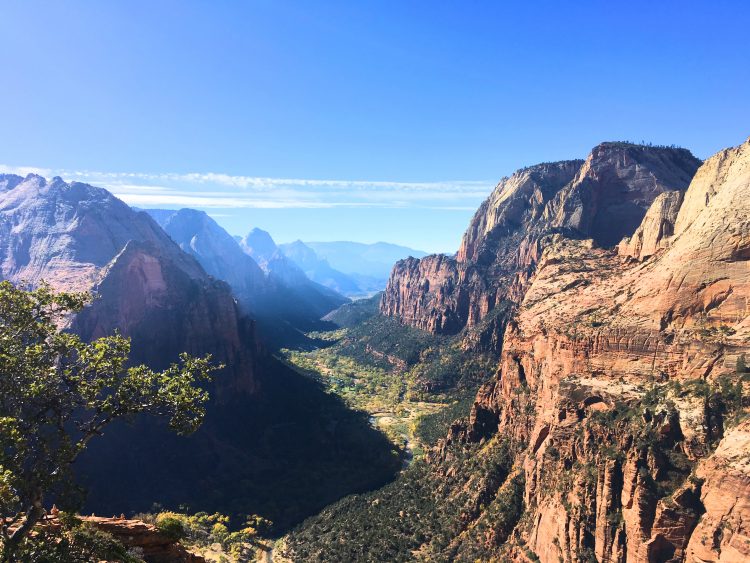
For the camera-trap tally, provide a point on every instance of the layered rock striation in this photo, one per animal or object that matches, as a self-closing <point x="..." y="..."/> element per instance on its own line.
<point x="603" y="198"/>
<point x="622" y="381"/>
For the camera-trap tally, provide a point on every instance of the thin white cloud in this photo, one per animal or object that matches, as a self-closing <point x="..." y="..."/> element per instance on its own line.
<point x="215" y="190"/>
<point x="25" y="170"/>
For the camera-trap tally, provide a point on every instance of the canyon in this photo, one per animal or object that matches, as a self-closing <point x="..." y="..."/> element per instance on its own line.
<point x="615" y="294"/>
<point x="595" y="315"/>
<point x="269" y="433"/>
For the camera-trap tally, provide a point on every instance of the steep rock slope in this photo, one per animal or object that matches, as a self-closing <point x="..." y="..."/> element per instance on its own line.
<point x="299" y="298"/>
<point x="280" y="303"/>
<point x="656" y="228"/>
<point x="216" y="250"/>
<point x="604" y="197"/>
<point x="618" y="376"/>
<point x="78" y="237"/>
<point x="615" y="428"/>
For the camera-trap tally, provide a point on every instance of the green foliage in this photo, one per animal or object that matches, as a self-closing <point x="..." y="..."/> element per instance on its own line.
<point x="58" y="392"/>
<point x="742" y="364"/>
<point x="362" y="386"/>
<point x="390" y="339"/>
<point x="373" y="366"/>
<point x="448" y="367"/>
<point x="498" y="519"/>
<point x="356" y="312"/>
<point x="171" y="526"/>
<point x="204" y="530"/>
<point x="429" y="505"/>
<point x="432" y="427"/>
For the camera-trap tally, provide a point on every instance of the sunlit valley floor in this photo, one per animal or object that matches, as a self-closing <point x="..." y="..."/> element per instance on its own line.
<point x="411" y="383"/>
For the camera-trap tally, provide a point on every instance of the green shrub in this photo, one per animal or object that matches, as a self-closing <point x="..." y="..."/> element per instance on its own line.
<point x="171" y="525"/>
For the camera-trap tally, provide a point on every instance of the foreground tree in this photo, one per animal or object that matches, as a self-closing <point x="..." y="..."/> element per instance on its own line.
<point x="58" y="392"/>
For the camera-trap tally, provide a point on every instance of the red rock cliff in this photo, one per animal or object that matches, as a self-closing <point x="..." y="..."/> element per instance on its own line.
<point x="620" y="380"/>
<point x="604" y="198"/>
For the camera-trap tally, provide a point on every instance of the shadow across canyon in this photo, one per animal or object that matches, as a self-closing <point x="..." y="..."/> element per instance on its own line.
<point x="283" y="453"/>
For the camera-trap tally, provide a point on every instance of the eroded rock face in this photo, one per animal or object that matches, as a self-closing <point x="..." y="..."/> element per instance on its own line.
<point x="656" y="228"/>
<point x="723" y="533"/>
<point x="216" y="250"/>
<point x="615" y="186"/>
<point x="80" y="238"/>
<point x="441" y="307"/>
<point x="602" y="198"/>
<point x="617" y="375"/>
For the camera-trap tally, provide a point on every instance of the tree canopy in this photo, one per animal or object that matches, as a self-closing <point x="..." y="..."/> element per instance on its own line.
<point x="58" y="392"/>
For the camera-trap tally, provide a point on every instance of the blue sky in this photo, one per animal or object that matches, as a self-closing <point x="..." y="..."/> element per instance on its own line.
<point x="382" y="120"/>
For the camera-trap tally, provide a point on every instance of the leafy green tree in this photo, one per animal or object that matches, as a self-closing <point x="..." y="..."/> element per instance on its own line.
<point x="58" y="392"/>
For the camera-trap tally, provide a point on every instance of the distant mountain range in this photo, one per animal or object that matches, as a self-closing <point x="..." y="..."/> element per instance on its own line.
<point x="269" y="286"/>
<point x="287" y="279"/>
<point x="354" y="269"/>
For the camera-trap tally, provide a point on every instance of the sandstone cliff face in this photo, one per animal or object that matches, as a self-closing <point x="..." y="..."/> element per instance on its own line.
<point x="78" y="237"/>
<point x="618" y="380"/>
<point x="604" y="198"/>
<point x="723" y="532"/>
<point x="657" y="226"/>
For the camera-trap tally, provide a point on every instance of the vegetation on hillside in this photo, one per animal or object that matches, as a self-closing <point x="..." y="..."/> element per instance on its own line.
<point x="406" y="379"/>
<point x="418" y="513"/>
<point x="214" y="535"/>
<point x="73" y="541"/>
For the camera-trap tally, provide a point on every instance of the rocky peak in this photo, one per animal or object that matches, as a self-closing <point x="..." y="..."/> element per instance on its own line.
<point x="602" y="348"/>
<point x="217" y="251"/>
<point x="615" y="186"/>
<point x="79" y="237"/>
<point x="301" y="253"/>
<point x="64" y="233"/>
<point x="260" y="245"/>
<point x="602" y="198"/>
<point x="515" y="203"/>
<point x="723" y="172"/>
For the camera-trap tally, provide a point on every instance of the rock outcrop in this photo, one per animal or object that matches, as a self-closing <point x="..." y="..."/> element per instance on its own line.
<point x="723" y="532"/>
<point x="603" y="198"/>
<point x="144" y="539"/>
<point x="620" y="380"/>
<point x="656" y="228"/>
